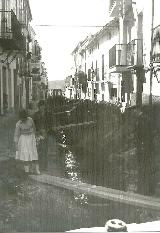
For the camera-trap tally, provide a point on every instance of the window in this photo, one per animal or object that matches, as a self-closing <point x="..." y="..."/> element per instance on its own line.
<point x="103" y="67"/>
<point x="103" y="87"/>
<point x="95" y="94"/>
<point x="89" y="92"/>
<point x="102" y="97"/>
<point x="109" y="36"/>
<point x="92" y="64"/>
<point x="73" y="81"/>
<point x="97" y="74"/>
<point x="89" y="74"/>
<point x="97" y="88"/>
<point x="113" y="92"/>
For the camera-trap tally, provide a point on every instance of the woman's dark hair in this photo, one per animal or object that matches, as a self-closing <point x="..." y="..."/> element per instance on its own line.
<point x="23" y="114"/>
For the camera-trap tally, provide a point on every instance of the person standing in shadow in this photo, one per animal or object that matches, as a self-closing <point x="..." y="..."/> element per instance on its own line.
<point x="41" y="123"/>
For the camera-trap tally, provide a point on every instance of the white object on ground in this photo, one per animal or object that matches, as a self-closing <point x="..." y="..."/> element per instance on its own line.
<point x="133" y="227"/>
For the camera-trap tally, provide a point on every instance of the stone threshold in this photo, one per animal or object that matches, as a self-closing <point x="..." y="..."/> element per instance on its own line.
<point x="100" y="192"/>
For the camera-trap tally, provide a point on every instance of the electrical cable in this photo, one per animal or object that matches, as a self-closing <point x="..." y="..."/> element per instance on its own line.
<point x="75" y="26"/>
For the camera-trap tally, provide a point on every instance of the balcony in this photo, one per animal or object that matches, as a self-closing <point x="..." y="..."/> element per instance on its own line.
<point x="156" y="45"/>
<point x="118" y="58"/>
<point x="11" y="37"/>
<point x="135" y="53"/>
<point x="125" y="56"/>
<point x="116" y="7"/>
<point x="36" y="78"/>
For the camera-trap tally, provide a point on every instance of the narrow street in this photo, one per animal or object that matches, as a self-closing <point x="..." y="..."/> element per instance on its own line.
<point x="29" y="206"/>
<point x="79" y="115"/>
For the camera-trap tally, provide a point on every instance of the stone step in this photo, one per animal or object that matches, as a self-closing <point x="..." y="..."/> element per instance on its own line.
<point x="100" y="192"/>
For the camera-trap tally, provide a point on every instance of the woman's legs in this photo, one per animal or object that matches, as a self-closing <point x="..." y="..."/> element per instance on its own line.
<point x="36" y="167"/>
<point x="26" y="167"/>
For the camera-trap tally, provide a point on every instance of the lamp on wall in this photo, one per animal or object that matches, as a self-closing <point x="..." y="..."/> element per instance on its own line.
<point x="133" y="71"/>
<point x="155" y="70"/>
<point x="156" y="73"/>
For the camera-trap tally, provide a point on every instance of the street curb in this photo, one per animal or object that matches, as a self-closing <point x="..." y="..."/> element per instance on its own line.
<point x="101" y="192"/>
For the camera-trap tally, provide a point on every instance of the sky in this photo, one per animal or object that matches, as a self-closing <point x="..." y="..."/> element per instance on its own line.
<point x="58" y="42"/>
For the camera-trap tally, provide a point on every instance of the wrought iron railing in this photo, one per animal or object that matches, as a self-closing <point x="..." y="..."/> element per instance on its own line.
<point x="135" y="52"/>
<point x="112" y="2"/>
<point x="10" y="29"/>
<point x="36" y="78"/>
<point x="130" y="54"/>
<point x="156" y="44"/>
<point x="117" y="55"/>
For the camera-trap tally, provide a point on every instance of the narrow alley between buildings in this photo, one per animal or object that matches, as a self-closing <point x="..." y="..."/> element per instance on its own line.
<point x="79" y="114"/>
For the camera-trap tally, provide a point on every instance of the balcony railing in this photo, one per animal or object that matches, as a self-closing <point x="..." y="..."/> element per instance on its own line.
<point x="156" y="44"/>
<point x="135" y="53"/>
<point x="130" y="54"/>
<point x="114" y="8"/>
<point x="111" y="4"/>
<point x="36" y="78"/>
<point x="117" y="6"/>
<point x="156" y="57"/>
<point x="11" y="37"/>
<point x="117" y="55"/>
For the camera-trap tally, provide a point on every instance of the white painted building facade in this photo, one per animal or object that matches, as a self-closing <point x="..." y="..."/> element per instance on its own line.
<point x="117" y="59"/>
<point x="135" y="27"/>
<point x="92" y="58"/>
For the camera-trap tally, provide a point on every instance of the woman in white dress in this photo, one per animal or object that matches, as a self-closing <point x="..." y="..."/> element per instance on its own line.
<point x="25" y="141"/>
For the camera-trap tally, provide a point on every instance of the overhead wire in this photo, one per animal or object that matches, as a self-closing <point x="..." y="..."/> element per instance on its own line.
<point x="73" y="26"/>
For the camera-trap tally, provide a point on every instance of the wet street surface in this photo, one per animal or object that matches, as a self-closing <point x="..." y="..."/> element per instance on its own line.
<point x="97" y="169"/>
<point x="30" y="206"/>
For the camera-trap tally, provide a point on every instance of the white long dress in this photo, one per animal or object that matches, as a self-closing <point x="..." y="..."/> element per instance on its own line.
<point x="25" y="138"/>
